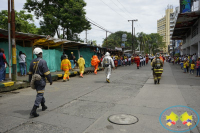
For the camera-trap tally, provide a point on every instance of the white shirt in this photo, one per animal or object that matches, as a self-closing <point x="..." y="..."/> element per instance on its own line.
<point x="22" y="58"/>
<point x="144" y="59"/>
<point x="129" y="59"/>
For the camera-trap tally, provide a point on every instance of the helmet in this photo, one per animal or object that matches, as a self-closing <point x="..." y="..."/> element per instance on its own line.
<point x="37" y="51"/>
<point x="66" y="56"/>
<point x="157" y="55"/>
<point x="107" y="54"/>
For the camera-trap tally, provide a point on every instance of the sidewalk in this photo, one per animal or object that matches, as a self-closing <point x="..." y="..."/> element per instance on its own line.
<point x="22" y="81"/>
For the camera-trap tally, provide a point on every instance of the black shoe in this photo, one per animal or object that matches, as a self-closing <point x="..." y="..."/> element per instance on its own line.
<point x="158" y="81"/>
<point x="33" y="112"/>
<point x="155" y="82"/>
<point x="44" y="107"/>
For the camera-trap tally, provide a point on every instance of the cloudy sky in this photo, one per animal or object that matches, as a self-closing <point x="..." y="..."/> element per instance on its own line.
<point x="113" y="15"/>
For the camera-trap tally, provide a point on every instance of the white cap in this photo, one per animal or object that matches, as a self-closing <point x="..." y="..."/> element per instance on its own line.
<point x="107" y="54"/>
<point x="37" y="51"/>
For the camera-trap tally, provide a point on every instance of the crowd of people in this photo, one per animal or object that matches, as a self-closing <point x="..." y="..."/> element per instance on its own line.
<point x="189" y="63"/>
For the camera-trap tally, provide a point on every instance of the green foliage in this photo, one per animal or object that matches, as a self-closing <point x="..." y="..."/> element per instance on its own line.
<point x="68" y="14"/>
<point x="22" y="22"/>
<point x="115" y="40"/>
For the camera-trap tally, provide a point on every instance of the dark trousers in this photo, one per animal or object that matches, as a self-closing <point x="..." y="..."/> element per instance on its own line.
<point x="40" y="87"/>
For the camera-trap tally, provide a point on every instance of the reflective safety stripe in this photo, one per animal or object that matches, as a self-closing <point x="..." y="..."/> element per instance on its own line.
<point x="42" y="91"/>
<point x="158" y="69"/>
<point x="158" y="72"/>
<point x="47" y="73"/>
<point x="65" y="69"/>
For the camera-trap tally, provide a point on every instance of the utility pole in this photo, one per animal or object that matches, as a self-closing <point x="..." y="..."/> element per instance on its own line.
<point x="9" y="41"/>
<point x="133" y="47"/>
<point x="14" y="59"/>
<point x="86" y="36"/>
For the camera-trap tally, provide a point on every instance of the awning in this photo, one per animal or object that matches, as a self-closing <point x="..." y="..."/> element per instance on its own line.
<point x="21" y="35"/>
<point x="184" y="22"/>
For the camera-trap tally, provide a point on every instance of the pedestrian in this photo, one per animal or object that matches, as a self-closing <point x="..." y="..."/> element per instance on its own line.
<point x="22" y="63"/>
<point x="187" y="65"/>
<point x="62" y="57"/>
<point x="184" y="66"/>
<point x="144" y="61"/>
<point x="198" y="67"/>
<point x="137" y="61"/>
<point x="39" y="66"/>
<point x="181" y="63"/>
<point x="147" y="59"/>
<point x="2" y="65"/>
<point x="66" y="66"/>
<point x="125" y="59"/>
<point x="95" y="62"/>
<point x="81" y="63"/>
<point x="192" y="66"/>
<point x="129" y="60"/>
<point x="72" y="59"/>
<point x="132" y="60"/>
<point x="108" y="64"/>
<point x="75" y="62"/>
<point x="157" y="65"/>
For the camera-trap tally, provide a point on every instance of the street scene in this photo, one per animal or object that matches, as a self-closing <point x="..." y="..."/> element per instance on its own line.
<point x="67" y="68"/>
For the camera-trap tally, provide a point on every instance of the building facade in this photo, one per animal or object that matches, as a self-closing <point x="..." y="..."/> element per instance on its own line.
<point x="187" y="29"/>
<point x="164" y="28"/>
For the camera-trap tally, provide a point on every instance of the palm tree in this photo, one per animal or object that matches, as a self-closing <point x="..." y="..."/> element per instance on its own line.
<point x="142" y="37"/>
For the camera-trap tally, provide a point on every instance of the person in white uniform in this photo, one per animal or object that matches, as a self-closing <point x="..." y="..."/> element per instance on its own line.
<point x="108" y="64"/>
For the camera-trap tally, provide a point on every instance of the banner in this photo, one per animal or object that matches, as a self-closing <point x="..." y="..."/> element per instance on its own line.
<point x="185" y="6"/>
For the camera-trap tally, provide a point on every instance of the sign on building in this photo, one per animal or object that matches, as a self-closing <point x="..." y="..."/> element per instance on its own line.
<point x="124" y="37"/>
<point x="123" y="45"/>
<point x="185" y="6"/>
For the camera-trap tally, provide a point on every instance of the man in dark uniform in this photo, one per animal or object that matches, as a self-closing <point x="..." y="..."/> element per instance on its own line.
<point x="43" y="71"/>
<point x="63" y="56"/>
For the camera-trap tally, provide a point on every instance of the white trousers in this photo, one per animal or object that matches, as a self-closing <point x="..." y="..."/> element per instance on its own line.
<point x="108" y="72"/>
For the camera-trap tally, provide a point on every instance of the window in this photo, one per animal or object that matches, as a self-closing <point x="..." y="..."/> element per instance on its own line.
<point x="194" y="30"/>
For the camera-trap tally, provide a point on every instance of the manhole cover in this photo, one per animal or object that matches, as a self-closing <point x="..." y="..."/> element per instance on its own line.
<point x="123" y="119"/>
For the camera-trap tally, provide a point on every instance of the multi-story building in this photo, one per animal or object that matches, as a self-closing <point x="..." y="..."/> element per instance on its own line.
<point x="164" y="28"/>
<point x="187" y="28"/>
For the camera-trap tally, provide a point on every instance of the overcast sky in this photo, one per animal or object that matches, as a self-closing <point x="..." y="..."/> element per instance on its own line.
<point x="113" y="15"/>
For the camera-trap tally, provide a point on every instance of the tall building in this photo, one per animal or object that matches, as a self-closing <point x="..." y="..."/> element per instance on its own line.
<point x="165" y="28"/>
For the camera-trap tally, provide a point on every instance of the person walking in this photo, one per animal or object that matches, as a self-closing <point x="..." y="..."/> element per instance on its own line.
<point x="108" y="64"/>
<point x="137" y="61"/>
<point x="39" y="66"/>
<point x="95" y="62"/>
<point x="192" y="66"/>
<point x="2" y="65"/>
<point x="22" y="63"/>
<point x="62" y="57"/>
<point x="198" y="67"/>
<point x="81" y="63"/>
<point x="157" y="65"/>
<point x="65" y="66"/>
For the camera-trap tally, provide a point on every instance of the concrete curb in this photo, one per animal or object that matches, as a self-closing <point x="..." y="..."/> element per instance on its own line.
<point x="10" y="86"/>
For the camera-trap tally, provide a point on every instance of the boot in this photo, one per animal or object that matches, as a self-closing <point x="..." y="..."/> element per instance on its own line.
<point x="158" y="81"/>
<point x="155" y="81"/>
<point x="33" y="111"/>
<point x="108" y="80"/>
<point x="44" y="107"/>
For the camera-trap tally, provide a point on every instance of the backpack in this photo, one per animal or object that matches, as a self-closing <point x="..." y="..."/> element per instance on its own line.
<point x="106" y="62"/>
<point x="35" y="77"/>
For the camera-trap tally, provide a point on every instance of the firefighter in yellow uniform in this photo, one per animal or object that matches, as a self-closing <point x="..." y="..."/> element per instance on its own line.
<point x="81" y="63"/>
<point x="157" y="65"/>
<point x="65" y="66"/>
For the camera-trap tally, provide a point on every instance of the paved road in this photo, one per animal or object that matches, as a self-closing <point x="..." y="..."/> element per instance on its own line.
<point x="83" y="105"/>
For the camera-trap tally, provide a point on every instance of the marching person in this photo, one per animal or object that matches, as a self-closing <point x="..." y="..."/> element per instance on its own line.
<point x="157" y="65"/>
<point x="39" y="66"/>
<point x="137" y="61"/>
<point x="81" y="63"/>
<point x="65" y="66"/>
<point x="147" y="59"/>
<point x="108" y="64"/>
<point x="95" y="62"/>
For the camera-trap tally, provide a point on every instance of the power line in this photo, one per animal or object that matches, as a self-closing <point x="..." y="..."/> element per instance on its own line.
<point x="91" y="21"/>
<point x="119" y="7"/>
<point x="112" y="9"/>
<point x="124" y="7"/>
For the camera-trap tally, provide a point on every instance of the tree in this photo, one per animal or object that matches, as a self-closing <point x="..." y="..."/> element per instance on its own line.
<point x="68" y="14"/>
<point x="111" y="43"/>
<point x="116" y="38"/>
<point x="142" y="38"/>
<point x="156" y="42"/>
<point x="23" y="22"/>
